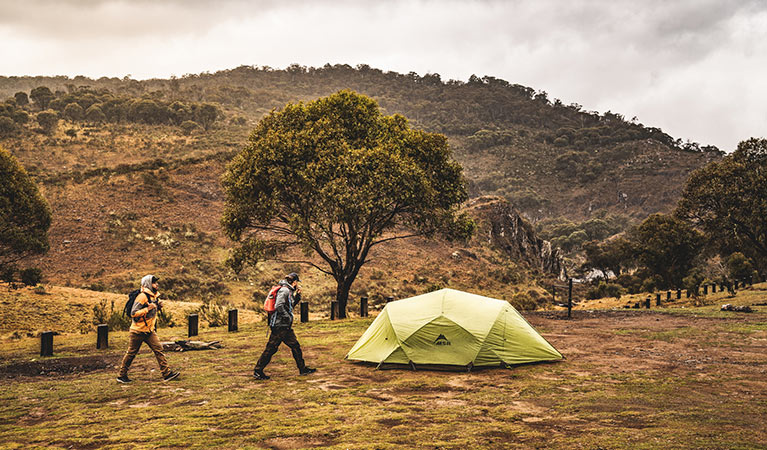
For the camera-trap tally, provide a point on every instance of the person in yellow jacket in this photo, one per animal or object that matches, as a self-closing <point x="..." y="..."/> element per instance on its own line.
<point x="143" y="329"/>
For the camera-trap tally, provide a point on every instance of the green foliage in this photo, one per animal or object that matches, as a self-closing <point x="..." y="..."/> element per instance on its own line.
<point x="8" y="273"/>
<point x="73" y="112"/>
<point x="213" y="312"/>
<point x="613" y="255"/>
<point x="189" y="127"/>
<point x="31" y="276"/>
<point x="41" y="95"/>
<point x="632" y="283"/>
<point x="21" y="98"/>
<point x="605" y="290"/>
<point x="653" y="283"/>
<point x="739" y="267"/>
<point x="206" y="114"/>
<point x="693" y="281"/>
<point x="94" y="114"/>
<point x="115" y="319"/>
<point x="524" y="302"/>
<point x="7" y="126"/>
<point x="165" y="318"/>
<point x="24" y="214"/>
<point x="333" y="176"/>
<point x="726" y="200"/>
<point x="667" y="246"/>
<point x="560" y="231"/>
<point x="48" y="121"/>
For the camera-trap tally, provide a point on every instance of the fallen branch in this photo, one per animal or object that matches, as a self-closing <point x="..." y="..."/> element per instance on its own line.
<point x="729" y="307"/>
<point x="184" y="345"/>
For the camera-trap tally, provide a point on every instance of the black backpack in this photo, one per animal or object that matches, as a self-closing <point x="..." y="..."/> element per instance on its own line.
<point x="128" y="310"/>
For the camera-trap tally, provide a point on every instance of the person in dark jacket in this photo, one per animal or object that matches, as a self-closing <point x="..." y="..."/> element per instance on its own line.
<point x="281" y="323"/>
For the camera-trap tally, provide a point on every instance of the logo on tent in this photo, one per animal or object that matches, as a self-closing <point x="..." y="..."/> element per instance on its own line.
<point x="441" y="340"/>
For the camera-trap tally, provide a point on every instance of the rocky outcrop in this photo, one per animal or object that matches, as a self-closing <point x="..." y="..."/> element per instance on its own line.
<point x="505" y="229"/>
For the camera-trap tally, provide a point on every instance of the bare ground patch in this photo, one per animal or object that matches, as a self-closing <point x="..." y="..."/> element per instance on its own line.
<point x="58" y="366"/>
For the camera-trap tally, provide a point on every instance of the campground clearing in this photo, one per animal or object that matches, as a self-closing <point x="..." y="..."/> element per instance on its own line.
<point x="668" y="378"/>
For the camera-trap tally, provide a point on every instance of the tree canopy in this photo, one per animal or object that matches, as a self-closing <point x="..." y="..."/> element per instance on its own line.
<point x="24" y="214"/>
<point x="336" y="177"/>
<point x="667" y="246"/>
<point x="727" y="199"/>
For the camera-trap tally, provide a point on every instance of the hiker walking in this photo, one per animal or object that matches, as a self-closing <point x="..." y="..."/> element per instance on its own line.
<point x="281" y="322"/>
<point x="143" y="328"/>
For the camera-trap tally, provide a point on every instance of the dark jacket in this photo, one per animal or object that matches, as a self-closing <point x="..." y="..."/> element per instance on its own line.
<point x="283" y="306"/>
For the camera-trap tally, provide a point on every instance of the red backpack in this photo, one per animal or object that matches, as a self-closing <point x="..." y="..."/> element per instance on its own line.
<point x="271" y="297"/>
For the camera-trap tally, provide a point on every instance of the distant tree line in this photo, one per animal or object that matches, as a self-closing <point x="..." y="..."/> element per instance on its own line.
<point x="98" y="106"/>
<point x="452" y="107"/>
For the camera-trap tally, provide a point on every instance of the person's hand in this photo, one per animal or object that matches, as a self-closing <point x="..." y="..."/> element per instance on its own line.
<point x="152" y="306"/>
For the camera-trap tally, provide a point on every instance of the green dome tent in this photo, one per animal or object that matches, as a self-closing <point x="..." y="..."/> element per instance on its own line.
<point x="451" y="328"/>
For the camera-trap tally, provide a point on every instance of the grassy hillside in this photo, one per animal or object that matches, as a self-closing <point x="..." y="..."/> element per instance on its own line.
<point x="138" y="190"/>
<point x="674" y="378"/>
<point x="548" y="158"/>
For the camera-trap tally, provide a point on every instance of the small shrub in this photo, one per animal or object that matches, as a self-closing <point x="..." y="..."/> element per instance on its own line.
<point x="605" y="290"/>
<point x="631" y="283"/>
<point x="524" y="302"/>
<point x="31" y="276"/>
<point x="8" y="274"/>
<point x="216" y="314"/>
<point x="165" y="318"/>
<point x="188" y="127"/>
<point x="116" y="320"/>
<point x="39" y="290"/>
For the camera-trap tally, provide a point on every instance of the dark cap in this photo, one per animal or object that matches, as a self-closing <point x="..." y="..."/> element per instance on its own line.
<point x="293" y="276"/>
<point x="155" y="279"/>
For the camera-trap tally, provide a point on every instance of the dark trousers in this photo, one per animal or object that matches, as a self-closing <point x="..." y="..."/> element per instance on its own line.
<point x="134" y="344"/>
<point x="281" y="335"/>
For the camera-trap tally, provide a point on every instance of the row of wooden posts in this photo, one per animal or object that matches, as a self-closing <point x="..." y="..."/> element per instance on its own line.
<point x="722" y="287"/>
<point x="193" y="322"/>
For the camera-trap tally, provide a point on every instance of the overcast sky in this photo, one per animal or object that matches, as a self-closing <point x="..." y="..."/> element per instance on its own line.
<point x="695" y="68"/>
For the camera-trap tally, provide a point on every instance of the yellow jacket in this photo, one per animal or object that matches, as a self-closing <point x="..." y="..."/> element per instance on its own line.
<point x="144" y="318"/>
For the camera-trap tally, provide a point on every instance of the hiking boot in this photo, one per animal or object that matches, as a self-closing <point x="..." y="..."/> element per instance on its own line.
<point x="172" y="375"/>
<point x="123" y="379"/>
<point x="306" y="371"/>
<point x="259" y="374"/>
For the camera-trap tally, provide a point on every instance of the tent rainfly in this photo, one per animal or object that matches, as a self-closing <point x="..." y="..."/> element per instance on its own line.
<point x="451" y="328"/>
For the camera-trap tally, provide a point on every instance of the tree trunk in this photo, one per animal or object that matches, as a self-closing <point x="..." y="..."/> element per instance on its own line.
<point x="342" y="296"/>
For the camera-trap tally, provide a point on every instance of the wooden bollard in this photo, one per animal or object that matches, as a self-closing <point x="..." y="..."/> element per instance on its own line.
<point x="333" y="310"/>
<point x="363" y="306"/>
<point x="678" y="294"/>
<point x="194" y="321"/>
<point x="668" y="296"/>
<point x="304" y="312"/>
<point x="647" y="303"/>
<point x="46" y="343"/>
<point x="688" y="293"/>
<point x="102" y="336"/>
<point x="233" y="325"/>
<point x="657" y="299"/>
<point x="705" y="289"/>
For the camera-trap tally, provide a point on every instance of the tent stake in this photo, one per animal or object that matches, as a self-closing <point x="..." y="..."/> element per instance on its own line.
<point x="412" y="365"/>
